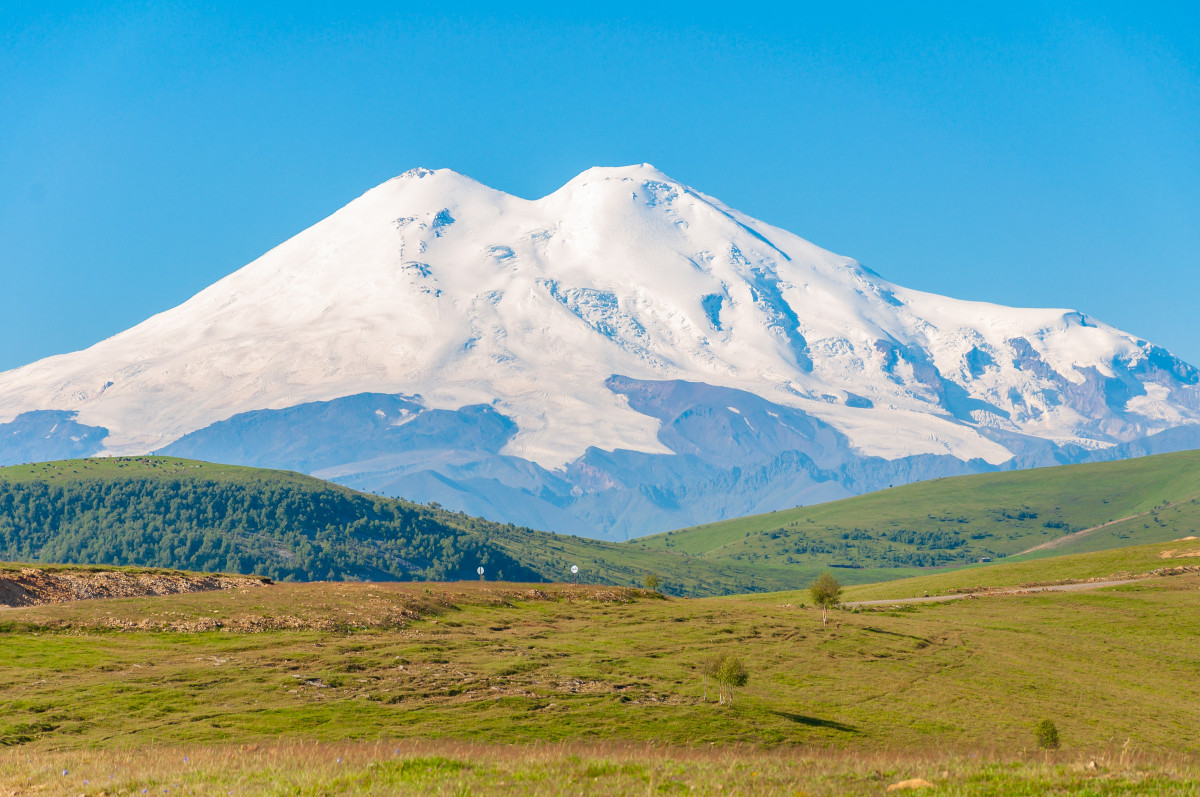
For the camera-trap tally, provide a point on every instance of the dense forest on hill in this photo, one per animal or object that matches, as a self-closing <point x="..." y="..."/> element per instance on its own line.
<point x="285" y="530"/>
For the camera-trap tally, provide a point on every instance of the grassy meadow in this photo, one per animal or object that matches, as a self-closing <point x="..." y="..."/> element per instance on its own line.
<point x="454" y="769"/>
<point x="956" y="521"/>
<point x="472" y="687"/>
<point x="1112" y="563"/>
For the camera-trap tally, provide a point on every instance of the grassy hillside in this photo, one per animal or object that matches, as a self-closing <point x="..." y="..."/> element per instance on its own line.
<point x="1113" y="563"/>
<point x="955" y="521"/>
<point x="178" y="513"/>
<point x="170" y="512"/>
<point x="401" y="679"/>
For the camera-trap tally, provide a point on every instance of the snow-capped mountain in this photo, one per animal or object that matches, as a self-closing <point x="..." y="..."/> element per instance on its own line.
<point x="622" y="356"/>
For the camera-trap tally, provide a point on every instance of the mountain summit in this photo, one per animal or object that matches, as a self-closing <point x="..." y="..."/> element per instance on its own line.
<point x="622" y="356"/>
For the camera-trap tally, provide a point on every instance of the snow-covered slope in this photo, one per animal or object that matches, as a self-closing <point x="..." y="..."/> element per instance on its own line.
<point x="496" y="325"/>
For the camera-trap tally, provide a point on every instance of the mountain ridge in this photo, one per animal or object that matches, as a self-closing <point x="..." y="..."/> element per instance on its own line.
<point x="562" y="359"/>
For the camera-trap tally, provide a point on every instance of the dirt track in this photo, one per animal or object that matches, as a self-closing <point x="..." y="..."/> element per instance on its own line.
<point x="992" y="592"/>
<point x="1068" y="538"/>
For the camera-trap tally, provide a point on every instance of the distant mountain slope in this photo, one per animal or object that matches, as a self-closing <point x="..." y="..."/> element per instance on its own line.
<point x="625" y="355"/>
<point x="954" y="521"/>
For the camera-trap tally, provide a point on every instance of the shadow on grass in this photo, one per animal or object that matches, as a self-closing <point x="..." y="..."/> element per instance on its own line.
<point x="875" y="630"/>
<point x="814" y="722"/>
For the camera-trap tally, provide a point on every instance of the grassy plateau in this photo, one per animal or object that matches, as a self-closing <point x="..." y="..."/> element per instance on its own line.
<point x="498" y="688"/>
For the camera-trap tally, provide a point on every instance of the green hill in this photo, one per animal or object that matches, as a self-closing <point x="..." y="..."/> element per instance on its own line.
<point x="179" y="513"/>
<point x="1114" y="563"/>
<point x="956" y="521"/>
<point x="171" y="512"/>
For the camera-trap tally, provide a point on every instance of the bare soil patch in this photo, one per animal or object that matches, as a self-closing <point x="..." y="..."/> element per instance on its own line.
<point x="33" y="586"/>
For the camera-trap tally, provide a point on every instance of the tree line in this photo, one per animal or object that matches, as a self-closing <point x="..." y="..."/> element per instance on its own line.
<point x="281" y="530"/>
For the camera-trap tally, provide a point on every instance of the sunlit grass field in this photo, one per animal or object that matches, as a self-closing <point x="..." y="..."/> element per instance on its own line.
<point x="460" y="768"/>
<point x="1115" y="562"/>
<point x="546" y="689"/>
<point x="1142" y="500"/>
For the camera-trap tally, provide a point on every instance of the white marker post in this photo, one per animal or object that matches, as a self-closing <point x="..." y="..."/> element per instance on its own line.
<point x="574" y="573"/>
<point x="479" y="570"/>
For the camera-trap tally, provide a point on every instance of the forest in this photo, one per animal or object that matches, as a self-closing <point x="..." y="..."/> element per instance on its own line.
<point x="287" y="531"/>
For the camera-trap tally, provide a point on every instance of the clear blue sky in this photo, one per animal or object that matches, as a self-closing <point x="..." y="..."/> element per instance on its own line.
<point x="1042" y="155"/>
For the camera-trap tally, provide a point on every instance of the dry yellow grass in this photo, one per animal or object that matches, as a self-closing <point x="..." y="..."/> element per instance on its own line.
<point x="459" y="768"/>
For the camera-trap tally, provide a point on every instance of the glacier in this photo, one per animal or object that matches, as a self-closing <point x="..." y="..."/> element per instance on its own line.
<point x="623" y="356"/>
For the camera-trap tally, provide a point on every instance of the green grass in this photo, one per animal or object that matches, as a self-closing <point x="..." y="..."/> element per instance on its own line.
<point x="961" y="520"/>
<point x="1115" y="562"/>
<point x="442" y="768"/>
<point x="162" y="468"/>
<point x="508" y="664"/>
<point x="424" y="687"/>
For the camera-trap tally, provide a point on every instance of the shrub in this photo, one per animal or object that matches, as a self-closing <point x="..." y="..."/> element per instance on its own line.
<point x="732" y="674"/>
<point x="729" y="673"/>
<point x="1047" y="735"/>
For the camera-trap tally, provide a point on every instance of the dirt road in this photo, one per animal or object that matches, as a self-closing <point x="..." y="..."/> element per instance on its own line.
<point x="1002" y="591"/>
<point x="1068" y="538"/>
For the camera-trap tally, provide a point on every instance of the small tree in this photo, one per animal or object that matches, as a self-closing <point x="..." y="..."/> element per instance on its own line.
<point x="728" y="672"/>
<point x="652" y="581"/>
<point x="825" y="592"/>
<point x="731" y="675"/>
<point x="1047" y="735"/>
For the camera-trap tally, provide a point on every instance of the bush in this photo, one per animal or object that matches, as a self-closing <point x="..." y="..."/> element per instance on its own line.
<point x="728" y="671"/>
<point x="1047" y="735"/>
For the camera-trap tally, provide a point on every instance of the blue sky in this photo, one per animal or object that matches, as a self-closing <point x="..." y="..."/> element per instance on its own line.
<point x="1038" y="155"/>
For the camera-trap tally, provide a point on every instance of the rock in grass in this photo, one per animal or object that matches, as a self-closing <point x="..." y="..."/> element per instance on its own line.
<point x="911" y="783"/>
